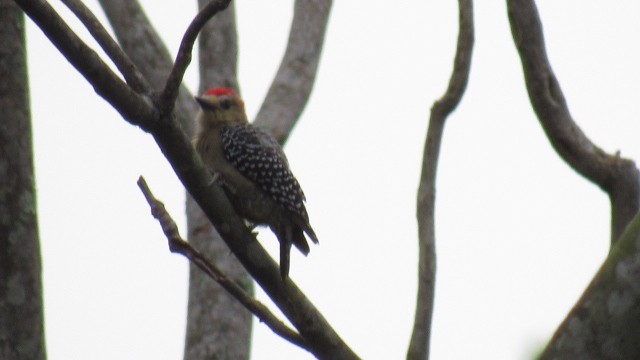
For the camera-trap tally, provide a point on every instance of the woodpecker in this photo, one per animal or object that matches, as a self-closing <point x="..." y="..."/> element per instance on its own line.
<point x="253" y="171"/>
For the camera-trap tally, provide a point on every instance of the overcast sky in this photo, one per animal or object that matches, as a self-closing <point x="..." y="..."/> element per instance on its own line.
<point x="519" y="234"/>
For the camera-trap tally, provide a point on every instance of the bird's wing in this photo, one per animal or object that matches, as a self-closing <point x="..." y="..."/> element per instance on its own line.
<point x="260" y="159"/>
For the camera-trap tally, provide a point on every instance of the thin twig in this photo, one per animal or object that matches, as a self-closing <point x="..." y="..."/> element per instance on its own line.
<point x="180" y="246"/>
<point x="170" y="92"/>
<point x="128" y="70"/>
<point x="420" y="338"/>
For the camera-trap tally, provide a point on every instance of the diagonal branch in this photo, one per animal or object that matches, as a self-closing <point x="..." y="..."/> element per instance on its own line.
<point x="128" y="70"/>
<point x="183" y="59"/>
<point x="420" y="338"/>
<point x="133" y="107"/>
<point x="617" y="176"/>
<point x="180" y="246"/>
<point x="292" y="85"/>
<point x="138" y="38"/>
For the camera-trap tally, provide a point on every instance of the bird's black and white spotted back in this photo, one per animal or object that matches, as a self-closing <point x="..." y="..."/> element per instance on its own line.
<point x="258" y="157"/>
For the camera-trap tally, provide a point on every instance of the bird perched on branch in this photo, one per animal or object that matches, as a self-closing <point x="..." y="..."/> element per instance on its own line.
<point x="253" y="171"/>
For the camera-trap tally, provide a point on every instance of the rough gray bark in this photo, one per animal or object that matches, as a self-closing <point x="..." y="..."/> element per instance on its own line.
<point x="617" y="176"/>
<point x="420" y="338"/>
<point x="21" y="310"/>
<point x="605" y="323"/>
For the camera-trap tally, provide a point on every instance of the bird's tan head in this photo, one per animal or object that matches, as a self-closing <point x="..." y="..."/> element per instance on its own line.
<point x="221" y="106"/>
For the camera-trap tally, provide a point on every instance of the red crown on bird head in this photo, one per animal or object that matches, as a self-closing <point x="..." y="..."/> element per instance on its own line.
<point x="221" y="92"/>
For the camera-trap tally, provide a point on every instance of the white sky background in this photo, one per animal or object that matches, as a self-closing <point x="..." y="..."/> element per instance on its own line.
<point x="519" y="234"/>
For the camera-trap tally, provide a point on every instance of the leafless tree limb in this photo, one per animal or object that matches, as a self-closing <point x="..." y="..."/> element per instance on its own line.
<point x="141" y="42"/>
<point x="180" y="246"/>
<point x="183" y="59"/>
<point x="126" y="67"/>
<point x="420" y="339"/>
<point x="605" y="322"/>
<point x="294" y="80"/>
<point x="617" y="176"/>
<point x="323" y="341"/>
<point x="133" y="107"/>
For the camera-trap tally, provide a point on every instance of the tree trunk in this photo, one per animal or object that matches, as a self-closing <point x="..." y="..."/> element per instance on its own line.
<point x="21" y="315"/>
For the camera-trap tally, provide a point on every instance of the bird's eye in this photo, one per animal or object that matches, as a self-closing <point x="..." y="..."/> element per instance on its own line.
<point x="226" y="104"/>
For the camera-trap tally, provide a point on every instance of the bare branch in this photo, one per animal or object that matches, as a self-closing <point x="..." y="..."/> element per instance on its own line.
<point x="617" y="176"/>
<point x="420" y="338"/>
<point x="133" y="107"/>
<point x="291" y="88"/>
<point x="605" y="323"/>
<point x="131" y="74"/>
<point x="146" y="49"/>
<point x="170" y="92"/>
<point x="180" y="246"/>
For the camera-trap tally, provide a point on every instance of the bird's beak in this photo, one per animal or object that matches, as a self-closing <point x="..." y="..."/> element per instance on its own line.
<point x="200" y="100"/>
<point x="204" y="103"/>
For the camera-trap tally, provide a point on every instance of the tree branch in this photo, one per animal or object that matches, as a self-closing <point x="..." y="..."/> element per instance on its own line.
<point x="292" y="85"/>
<point x="141" y="42"/>
<point x="420" y="338"/>
<point x="183" y="59"/>
<point x="617" y="176"/>
<point x="128" y="70"/>
<point x="180" y="246"/>
<point x="133" y="107"/>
